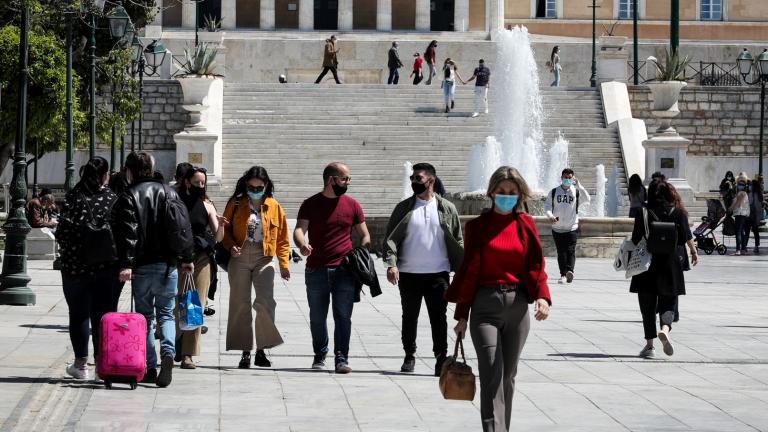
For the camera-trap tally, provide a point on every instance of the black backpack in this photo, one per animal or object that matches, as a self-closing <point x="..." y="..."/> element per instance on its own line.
<point x="96" y="235"/>
<point x="554" y="191"/>
<point x="178" y="229"/>
<point x="662" y="236"/>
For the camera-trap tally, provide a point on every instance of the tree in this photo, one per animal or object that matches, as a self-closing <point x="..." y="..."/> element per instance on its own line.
<point x="46" y="116"/>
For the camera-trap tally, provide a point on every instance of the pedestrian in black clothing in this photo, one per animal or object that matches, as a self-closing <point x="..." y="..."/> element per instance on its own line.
<point x="657" y="289"/>
<point x="394" y="65"/>
<point x="89" y="272"/>
<point x="637" y="195"/>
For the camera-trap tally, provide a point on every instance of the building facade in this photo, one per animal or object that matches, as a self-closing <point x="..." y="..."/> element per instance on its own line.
<point x="700" y="19"/>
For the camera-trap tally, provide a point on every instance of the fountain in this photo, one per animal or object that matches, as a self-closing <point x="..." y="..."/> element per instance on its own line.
<point x="613" y="198"/>
<point x="598" y="204"/>
<point x="407" y="171"/>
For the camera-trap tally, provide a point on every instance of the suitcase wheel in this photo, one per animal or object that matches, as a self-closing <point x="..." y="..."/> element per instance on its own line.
<point x="133" y="384"/>
<point x="108" y="384"/>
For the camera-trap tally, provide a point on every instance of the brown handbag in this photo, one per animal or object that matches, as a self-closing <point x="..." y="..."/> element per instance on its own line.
<point x="457" y="382"/>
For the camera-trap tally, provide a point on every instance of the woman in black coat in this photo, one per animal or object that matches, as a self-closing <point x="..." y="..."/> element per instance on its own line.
<point x="657" y="289"/>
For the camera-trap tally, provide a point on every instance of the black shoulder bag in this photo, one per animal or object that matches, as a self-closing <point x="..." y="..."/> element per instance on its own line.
<point x="222" y="254"/>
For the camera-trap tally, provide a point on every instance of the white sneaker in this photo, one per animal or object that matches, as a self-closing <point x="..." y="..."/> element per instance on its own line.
<point x="474" y="114"/>
<point x="561" y="281"/>
<point x="648" y="352"/>
<point x="666" y="343"/>
<point x="80" y="373"/>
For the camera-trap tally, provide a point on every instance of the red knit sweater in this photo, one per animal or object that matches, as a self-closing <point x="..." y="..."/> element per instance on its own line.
<point x="499" y="249"/>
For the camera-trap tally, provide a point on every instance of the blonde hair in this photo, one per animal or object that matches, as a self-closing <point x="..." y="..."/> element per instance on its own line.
<point x="513" y="175"/>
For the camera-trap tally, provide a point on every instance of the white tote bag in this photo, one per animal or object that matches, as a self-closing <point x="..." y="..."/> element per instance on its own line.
<point x="622" y="255"/>
<point x="639" y="259"/>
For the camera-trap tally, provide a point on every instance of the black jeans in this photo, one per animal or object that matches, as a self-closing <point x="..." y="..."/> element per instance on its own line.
<point x="394" y="76"/>
<point x="650" y="304"/>
<point x="566" y="250"/>
<point x="325" y="71"/>
<point x="431" y="287"/>
<point x="89" y="297"/>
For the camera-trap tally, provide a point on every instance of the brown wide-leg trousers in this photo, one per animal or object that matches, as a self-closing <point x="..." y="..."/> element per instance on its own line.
<point x="188" y="341"/>
<point x="252" y="270"/>
<point x="499" y="325"/>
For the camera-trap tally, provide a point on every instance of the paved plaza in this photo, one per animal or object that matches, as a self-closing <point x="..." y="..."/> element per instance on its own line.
<point x="579" y="370"/>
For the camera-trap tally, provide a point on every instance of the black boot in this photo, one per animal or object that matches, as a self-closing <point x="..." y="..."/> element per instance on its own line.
<point x="245" y="360"/>
<point x="261" y="360"/>
<point x="409" y="363"/>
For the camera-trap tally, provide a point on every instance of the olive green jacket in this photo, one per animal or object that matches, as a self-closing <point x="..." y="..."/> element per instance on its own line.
<point x="449" y="222"/>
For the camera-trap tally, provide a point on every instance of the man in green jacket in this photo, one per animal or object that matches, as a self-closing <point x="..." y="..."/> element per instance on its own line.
<point x="423" y="245"/>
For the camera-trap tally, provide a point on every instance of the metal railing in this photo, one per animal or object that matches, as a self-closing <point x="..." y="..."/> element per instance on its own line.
<point x="701" y="73"/>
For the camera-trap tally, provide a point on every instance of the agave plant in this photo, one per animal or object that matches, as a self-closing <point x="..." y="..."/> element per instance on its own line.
<point x="211" y="24"/>
<point x="611" y="29"/>
<point x="673" y="67"/>
<point x="199" y="61"/>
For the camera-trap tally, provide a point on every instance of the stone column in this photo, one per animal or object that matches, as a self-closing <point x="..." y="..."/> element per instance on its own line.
<point x="154" y="30"/>
<point x="228" y="14"/>
<point x="345" y="15"/>
<point x="495" y="15"/>
<point x="267" y="15"/>
<point x="306" y="15"/>
<point x="461" y="15"/>
<point x="384" y="15"/>
<point x="423" y="15"/>
<point x="188" y="14"/>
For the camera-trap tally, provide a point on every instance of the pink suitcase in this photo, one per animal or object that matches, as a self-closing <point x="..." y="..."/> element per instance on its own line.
<point x="123" y="348"/>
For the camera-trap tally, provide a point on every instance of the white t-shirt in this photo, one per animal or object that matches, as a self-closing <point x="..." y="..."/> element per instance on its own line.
<point x="254" y="227"/>
<point x="423" y="250"/>
<point x="565" y="207"/>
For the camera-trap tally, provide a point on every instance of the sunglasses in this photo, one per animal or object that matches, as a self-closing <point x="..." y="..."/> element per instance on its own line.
<point x="420" y="179"/>
<point x="256" y="189"/>
<point x="346" y="179"/>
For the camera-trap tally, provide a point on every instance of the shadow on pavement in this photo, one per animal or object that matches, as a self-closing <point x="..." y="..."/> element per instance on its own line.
<point x="314" y="371"/>
<point x="60" y="328"/>
<point x="613" y="321"/>
<point x="592" y="355"/>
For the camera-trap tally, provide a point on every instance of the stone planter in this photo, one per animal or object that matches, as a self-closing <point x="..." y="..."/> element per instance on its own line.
<point x="612" y="43"/>
<point x="666" y="94"/>
<point x="196" y="90"/>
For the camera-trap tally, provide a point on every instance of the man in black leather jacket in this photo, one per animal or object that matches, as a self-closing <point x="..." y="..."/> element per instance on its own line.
<point x="145" y="258"/>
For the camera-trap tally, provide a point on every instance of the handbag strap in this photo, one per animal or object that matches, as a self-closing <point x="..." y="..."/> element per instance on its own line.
<point x="459" y="346"/>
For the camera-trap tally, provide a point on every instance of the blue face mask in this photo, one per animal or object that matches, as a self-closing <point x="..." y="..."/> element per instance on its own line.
<point x="255" y="196"/>
<point x="505" y="203"/>
<point x="567" y="182"/>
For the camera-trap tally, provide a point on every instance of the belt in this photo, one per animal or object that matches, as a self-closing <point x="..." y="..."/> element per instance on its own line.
<point x="502" y="288"/>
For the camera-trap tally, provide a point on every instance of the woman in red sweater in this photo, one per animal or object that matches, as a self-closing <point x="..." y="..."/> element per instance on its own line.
<point x="502" y="271"/>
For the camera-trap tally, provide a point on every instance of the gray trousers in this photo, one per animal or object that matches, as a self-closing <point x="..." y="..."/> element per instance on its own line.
<point x="499" y="325"/>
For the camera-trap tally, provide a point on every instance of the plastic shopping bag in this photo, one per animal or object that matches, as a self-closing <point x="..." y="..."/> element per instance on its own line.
<point x="190" y="308"/>
<point x="622" y="255"/>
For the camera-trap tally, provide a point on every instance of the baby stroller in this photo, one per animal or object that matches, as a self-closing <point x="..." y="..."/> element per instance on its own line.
<point x="704" y="234"/>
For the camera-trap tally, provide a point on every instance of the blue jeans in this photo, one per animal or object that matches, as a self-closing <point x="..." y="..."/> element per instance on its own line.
<point x="449" y="88"/>
<point x="394" y="76"/>
<point x="556" y="82"/>
<point x="323" y="284"/>
<point x="154" y="290"/>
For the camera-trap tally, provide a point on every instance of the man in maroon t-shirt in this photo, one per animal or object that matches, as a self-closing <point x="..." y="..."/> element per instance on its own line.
<point x="329" y="218"/>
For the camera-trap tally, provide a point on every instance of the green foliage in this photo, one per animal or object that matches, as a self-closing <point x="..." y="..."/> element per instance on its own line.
<point x="125" y="105"/>
<point x="201" y="60"/>
<point x="211" y="24"/>
<point x="672" y="68"/>
<point x="46" y="115"/>
<point x="611" y="29"/>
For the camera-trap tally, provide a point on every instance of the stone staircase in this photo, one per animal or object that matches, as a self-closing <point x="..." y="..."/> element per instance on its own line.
<point x="294" y="130"/>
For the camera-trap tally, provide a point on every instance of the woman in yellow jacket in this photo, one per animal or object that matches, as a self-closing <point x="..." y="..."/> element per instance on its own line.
<point x="258" y="232"/>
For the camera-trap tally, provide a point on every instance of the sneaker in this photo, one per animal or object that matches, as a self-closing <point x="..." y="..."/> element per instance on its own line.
<point x="666" y="343"/>
<point x="486" y="111"/>
<point x="343" y="368"/>
<point x="447" y="109"/>
<point x="78" y="372"/>
<point x="245" y="360"/>
<point x="150" y="377"/>
<point x="166" y="372"/>
<point x="187" y="363"/>
<point x="452" y="104"/>
<point x="319" y="362"/>
<point x="261" y="360"/>
<point x="561" y="281"/>
<point x="737" y="253"/>
<point x="756" y="250"/>
<point x="648" y="352"/>
<point x="409" y="363"/>
<point x="203" y="330"/>
<point x="474" y="114"/>
<point x="439" y="364"/>
<point x="569" y="276"/>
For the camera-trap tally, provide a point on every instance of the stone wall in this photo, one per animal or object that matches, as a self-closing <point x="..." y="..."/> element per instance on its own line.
<point x="720" y="121"/>
<point x="163" y="115"/>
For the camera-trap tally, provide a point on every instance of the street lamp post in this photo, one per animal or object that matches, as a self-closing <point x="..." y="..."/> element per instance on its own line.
<point x="748" y="66"/>
<point x="69" y="170"/>
<point x="152" y="58"/>
<point x="13" y="287"/>
<point x="92" y="94"/>
<point x="635" y="49"/>
<point x="593" y="78"/>
<point x="674" y="27"/>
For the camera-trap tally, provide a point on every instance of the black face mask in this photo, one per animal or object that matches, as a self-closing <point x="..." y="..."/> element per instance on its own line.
<point x="339" y="190"/>
<point x="196" y="192"/>
<point x="418" y="188"/>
